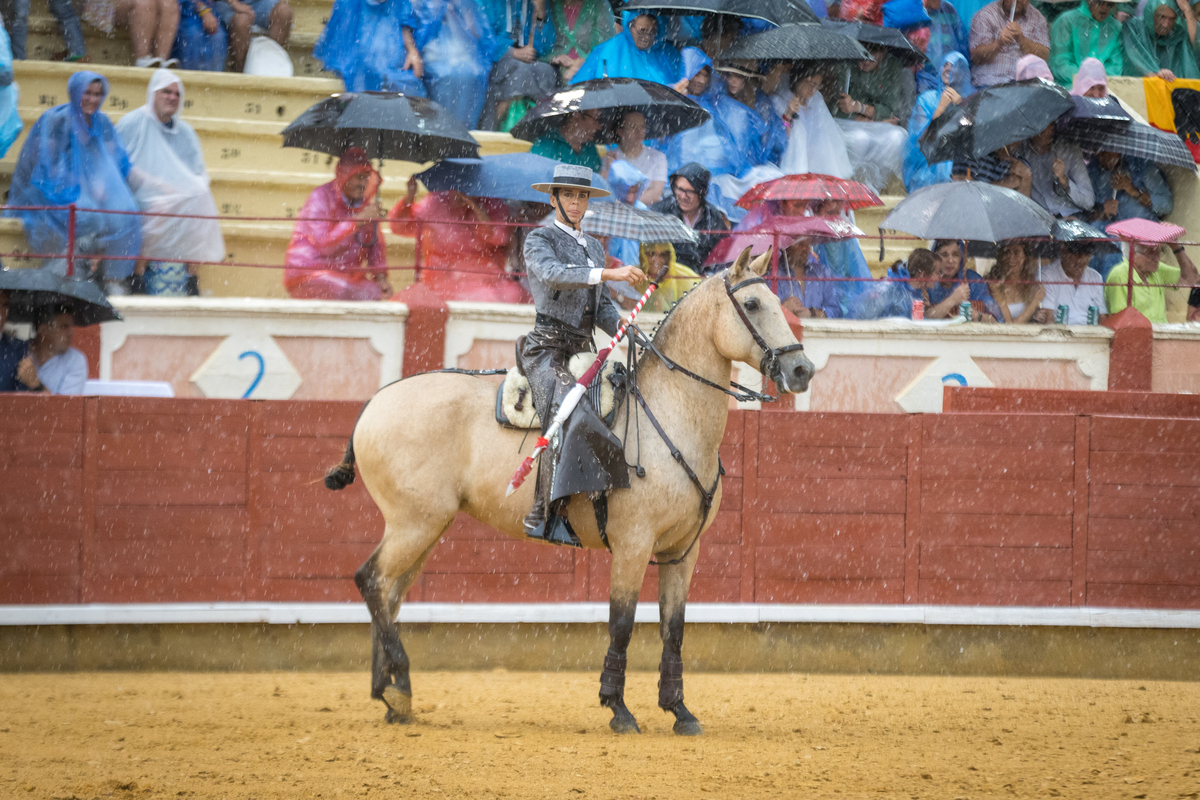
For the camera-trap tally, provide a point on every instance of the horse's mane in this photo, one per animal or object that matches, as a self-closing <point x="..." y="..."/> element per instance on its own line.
<point x="662" y="332"/>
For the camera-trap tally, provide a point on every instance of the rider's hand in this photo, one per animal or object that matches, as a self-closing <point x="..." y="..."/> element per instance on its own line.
<point x="624" y="274"/>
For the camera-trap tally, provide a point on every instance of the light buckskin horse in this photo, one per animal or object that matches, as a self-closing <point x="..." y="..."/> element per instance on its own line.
<point x="429" y="447"/>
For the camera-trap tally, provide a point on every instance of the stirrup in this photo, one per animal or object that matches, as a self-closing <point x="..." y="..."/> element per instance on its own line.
<point x="555" y="530"/>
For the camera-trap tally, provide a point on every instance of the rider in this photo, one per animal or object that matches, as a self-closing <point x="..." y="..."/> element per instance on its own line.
<point x="566" y="277"/>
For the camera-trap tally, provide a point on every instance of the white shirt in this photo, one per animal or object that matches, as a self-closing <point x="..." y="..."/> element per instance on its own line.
<point x="1088" y="292"/>
<point x="65" y="373"/>
<point x="578" y="236"/>
<point x="649" y="162"/>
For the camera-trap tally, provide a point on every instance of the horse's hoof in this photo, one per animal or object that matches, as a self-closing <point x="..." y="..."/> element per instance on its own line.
<point x="624" y="724"/>
<point x="392" y="718"/>
<point x="688" y="727"/>
<point x="399" y="706"/>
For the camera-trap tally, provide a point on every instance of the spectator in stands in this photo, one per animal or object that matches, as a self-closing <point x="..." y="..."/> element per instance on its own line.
<point x="165" y="147"/>
<point x="10" y="116"/>
<point x="947" y="34"/>
<point x="16" y="14"/>
<point x="631" y="148"/>
<point x="202" y="42"/>
<point x="689" y="202"/>
<point x="1002" y="32"/>
<point x="1029" y="67"/>
<point x="74" y="155"/>
<point x="743" y="82"/>
<point x="956" y="284"/>
<point x="746" y="141"/>
<point x="954" y="86"/>
<point x="718" y="32"/>
<point x="1060" y="182"/>
<point x="151" y="23"/>
<point x="523" y="34"/>
<point x="461" y="261"/>
<point x="457" y="47"/>
<point x="1194" y="305"/>
<point x="815" y="142"/>
<point x="869" y="114"/>
<point x="272" y="16"/>
<point x="1070" y="282"/>
<point x="573" y="142"/>
<point x="1126" y="187"/>
<point x="1013" y="283"/>
<point x="678" y="280"/>
<point x="373" y="46"/>
<point x="12" y="349"/>
<point x="1090" y="80"/>
<point x="1087" y="31"/>
<point x="915" y="276"/>
<point x="335" y="232"/>
<point x="627" y="183"/>
<point x="580" y="26"/>
<point x="803" y="297"/>
<point x="1150" y="280"/>
<point x="52" y="366"/>
<point x="1161" y="41"/>
<point x="842" y="258"/>
<point x="637" y="52"/>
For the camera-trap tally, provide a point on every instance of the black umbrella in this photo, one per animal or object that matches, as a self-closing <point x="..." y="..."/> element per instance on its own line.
<point x="994" y="117"/>
<point x="776" y="12"/>
<point x="1063" y="231"/>
<point x="890" y="38"/>
<point x="33" y="288"/>
<point x="384" y="124"/>
<point x="969" y="210"/>
<point x="508" y="176"/>
<point x="1096" y="111"/>
<point x="799" y="42"/>
<point x="1135" y="139"/>
<point x="667" y="112"/>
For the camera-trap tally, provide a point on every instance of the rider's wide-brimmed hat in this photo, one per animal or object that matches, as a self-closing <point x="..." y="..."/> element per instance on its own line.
<point x="570" y="176"/>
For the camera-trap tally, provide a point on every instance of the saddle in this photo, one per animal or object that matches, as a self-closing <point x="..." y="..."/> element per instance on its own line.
<point x="514" y="399"/>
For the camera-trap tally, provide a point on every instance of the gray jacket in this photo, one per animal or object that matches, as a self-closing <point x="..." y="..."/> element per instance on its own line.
<point x="558" y="271"/>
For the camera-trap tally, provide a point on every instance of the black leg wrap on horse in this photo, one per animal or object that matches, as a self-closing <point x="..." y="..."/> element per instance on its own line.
<point x="670" y="681"/>
<point x="612" y="679"/>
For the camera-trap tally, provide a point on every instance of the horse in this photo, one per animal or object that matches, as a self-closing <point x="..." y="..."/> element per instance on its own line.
<point x="429" y="446"/>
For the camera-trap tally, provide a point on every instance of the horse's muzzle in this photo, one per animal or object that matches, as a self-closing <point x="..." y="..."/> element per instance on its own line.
<point x="792" y="372"/>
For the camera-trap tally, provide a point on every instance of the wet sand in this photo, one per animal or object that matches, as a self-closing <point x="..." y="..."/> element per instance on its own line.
<point x="517" y="735"/>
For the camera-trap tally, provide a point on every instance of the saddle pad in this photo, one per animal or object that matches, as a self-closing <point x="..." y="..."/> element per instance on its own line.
<point x="514" y="400"/>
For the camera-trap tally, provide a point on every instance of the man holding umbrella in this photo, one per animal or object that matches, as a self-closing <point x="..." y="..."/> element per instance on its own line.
<point x="53" y="366"/>
<point x="566" y="277"/>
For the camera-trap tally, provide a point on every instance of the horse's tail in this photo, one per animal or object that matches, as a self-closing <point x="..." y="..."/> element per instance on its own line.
<point x="342" y="475"/>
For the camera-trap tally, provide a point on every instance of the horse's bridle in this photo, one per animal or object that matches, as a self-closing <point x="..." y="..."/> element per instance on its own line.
<point x="769" y="366"/>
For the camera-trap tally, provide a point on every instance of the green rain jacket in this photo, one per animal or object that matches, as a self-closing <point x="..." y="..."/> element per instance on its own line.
<point x="1146" y="52"/>
<point x="1077" y="35"/>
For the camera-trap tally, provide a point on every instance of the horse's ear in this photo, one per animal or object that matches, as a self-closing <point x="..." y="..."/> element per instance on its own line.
<point x="760" y="265"/>
<point x="741" y="267"/>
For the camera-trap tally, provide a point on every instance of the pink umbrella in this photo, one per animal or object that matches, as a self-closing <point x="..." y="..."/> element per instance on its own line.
<point x="762" y="236"/>
<point x="1145" y="230"/>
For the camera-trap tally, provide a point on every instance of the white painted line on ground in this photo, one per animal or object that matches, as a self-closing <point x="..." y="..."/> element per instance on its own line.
<point x="585" y="613"/>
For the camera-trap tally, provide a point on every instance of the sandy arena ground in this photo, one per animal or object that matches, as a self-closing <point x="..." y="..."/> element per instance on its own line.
<point x="517" y="735"/>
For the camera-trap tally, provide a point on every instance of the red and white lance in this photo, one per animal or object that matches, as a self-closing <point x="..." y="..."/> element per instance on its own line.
<point x="572" y="399"/>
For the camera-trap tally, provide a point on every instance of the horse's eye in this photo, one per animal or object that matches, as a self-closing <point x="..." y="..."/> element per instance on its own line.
<point x="751" y="304"/>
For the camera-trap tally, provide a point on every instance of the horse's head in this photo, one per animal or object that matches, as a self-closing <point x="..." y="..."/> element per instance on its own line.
<point x="751" y="328"/>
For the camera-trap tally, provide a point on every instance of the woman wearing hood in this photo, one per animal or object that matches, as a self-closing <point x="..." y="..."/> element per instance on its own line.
<point x="166" y="148"/>
<point x="1162" y="42"/>
<point x="954" y="86"/>
<point x="73" y="155"/>
<point x="638" y="51"/>
<point x="815" y="142"/>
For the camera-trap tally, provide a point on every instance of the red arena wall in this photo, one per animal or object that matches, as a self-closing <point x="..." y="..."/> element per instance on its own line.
<point x="139" y="500"/>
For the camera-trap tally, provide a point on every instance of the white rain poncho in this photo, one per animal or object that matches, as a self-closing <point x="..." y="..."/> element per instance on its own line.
<point x="176" y="182"/>
<point x="815" y="143"/>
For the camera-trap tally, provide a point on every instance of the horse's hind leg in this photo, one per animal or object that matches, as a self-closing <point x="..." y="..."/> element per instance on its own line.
<point x="628" y="571"/>
<point x="673" y="582"/>
<point x="383" y="580"/>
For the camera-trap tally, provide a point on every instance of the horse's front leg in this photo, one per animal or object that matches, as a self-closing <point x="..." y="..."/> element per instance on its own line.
<point x="628" y="572"/>
<point x="673" y="582"/>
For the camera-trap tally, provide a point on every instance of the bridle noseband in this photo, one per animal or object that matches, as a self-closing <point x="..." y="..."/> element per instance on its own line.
<point x="769" y="366"/>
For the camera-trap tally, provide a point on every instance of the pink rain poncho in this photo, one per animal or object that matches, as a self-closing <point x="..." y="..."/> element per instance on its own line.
<point x="1091" y="74"/>
<point x="329" y="246"/>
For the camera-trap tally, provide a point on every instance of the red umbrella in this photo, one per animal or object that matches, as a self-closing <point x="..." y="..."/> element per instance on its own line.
<point x="762" y="235"/>
<point x="812" y="186"/>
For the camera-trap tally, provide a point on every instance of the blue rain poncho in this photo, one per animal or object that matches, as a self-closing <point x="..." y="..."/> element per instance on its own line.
<point x="10" y="119"/>
<point x="619" y="57"/>
<point x="917" y="171"/>
<point x="701" y="144"/>
<point x="196" y="48"/>
<point x="623" y="176"/>
<point x="67" y="159"/>
<point x="364" y="43"/>
<point x="457" y="45"/>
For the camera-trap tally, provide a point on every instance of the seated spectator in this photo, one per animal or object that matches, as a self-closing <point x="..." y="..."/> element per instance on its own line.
<point x="1070" y="282"/>
<point x="956" y="285"/>
<point x="202" y="42"/>
<point x="1126" y="187"/>
<point x="1090" y="80"/>
<point x="573" y="142"/>
<point x="1150" y="280"/>
<point x="803" y="297"/>
<point x="689" y="202"/>
<point x="1161" y="41"/>
<point x="746" y="140"/>
<point x="870" y="117"/>
<point x="947" y="34"/>
<point x="1002" y="32"/>
<point x="272" y="16"/>
<point x="523" y="35"/>
<point x="1060" y="182"/>
<point x="1030" y="67"/>
<point x="954" y="85"/>
<point x="815" y="142"/>
<point x="373" y="46"/>
<point x="1193" y="314"/>
<point x="12" y="349"/>
<point x="16" y="17"/>
<point x="580" y="26"/>
<point x="10" y="116"/>
<point x="461" y="262"/>
<point x="151" y="24"/>
<point x="842" y="258"/>
<point x="1001" y="168"/>
<point x="918" y="273"/>
<point x="335" y="232"/>
<point x="74" y="155"/>
<point x="52" y="366"/>
<point x="1013" y="283"/>
<point x="1087" y="31"/>
<point x="626" y="182"/>
<point x="718" y="33"/>
<point x="457" y="47"/>
<point x="636" y="52"/>
<point x="165" y="147"/>
<point x="742" y="83"/>
<point x="631" y="149"/>
<point x="706" y="144"/>
<point x="677" y="281"/>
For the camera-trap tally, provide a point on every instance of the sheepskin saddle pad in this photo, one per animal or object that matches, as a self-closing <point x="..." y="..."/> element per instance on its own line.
<point x="514" y="400"/>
